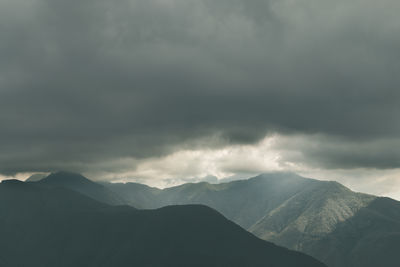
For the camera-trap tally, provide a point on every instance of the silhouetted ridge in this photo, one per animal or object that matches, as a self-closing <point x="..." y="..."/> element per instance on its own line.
<point x="292" y="211"/>
<point x="321" y="218"/>
<point x="54" y="226"/>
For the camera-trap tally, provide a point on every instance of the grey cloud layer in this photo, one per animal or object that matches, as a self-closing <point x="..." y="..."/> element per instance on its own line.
<point x="339" y="153"/>
<point x="87" y="81"/>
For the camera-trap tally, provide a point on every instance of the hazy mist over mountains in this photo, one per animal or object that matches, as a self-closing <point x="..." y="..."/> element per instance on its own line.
<point x="196" y="122"/>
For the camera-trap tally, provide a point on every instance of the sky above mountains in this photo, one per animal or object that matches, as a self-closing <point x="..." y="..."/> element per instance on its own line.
<point x="169" y="89"/>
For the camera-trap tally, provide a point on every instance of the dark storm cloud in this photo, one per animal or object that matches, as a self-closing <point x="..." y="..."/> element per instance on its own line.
<point x="339" y="153"/>
<point x="87" y="81"/>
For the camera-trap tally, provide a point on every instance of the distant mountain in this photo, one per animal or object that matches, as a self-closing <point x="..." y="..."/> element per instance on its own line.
<point x="35" y="177"/>
<point x="138" y="195"/>
<point x="82" y="185"/>
<point x="323" y="219"/>
<point x="369" y="238"/>
<point x="42" y="225"/>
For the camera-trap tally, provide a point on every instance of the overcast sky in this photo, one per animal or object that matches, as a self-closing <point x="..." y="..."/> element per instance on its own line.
<point x="166" y="91"/>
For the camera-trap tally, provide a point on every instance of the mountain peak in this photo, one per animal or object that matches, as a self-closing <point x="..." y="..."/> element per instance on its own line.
<point x="36" y="177"/>
<point x="83" y="185"/>
<point x="66" y="173"/>
<point x="65" y="177"/>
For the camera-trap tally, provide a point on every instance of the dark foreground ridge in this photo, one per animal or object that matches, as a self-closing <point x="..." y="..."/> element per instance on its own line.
<point x="44" y="226"/>
<point x="323" y="219"/>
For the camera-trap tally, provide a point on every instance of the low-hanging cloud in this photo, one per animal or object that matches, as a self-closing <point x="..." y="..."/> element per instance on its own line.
<point x="86" y="83"/>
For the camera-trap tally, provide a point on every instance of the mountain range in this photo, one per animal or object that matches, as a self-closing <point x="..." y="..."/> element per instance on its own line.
<point x="48" y="224"/>
<point x="321" y="218"/>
